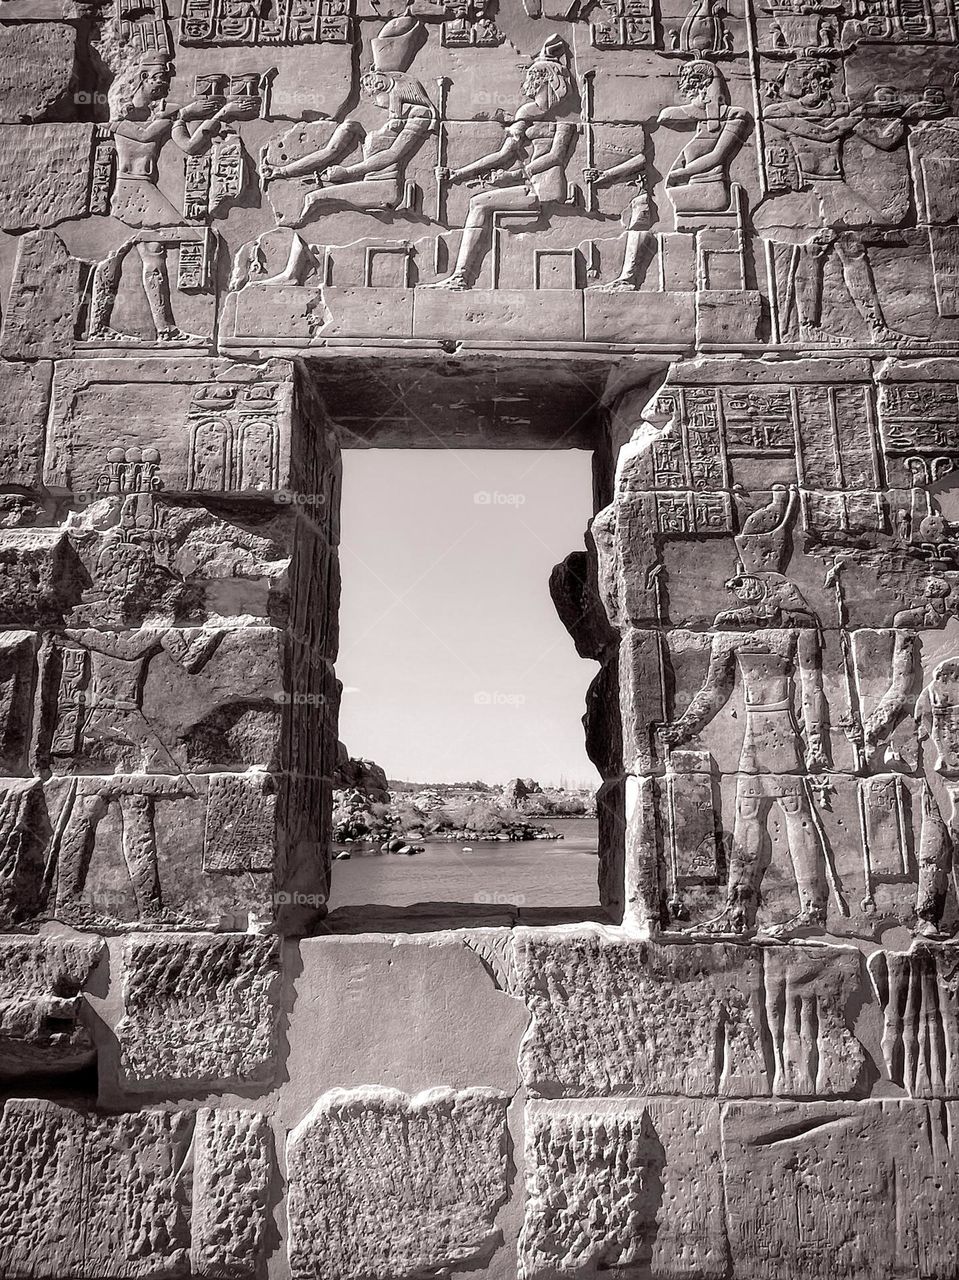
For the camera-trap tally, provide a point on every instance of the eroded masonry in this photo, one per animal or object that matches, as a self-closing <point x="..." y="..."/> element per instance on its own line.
<point x="718" y="246"/>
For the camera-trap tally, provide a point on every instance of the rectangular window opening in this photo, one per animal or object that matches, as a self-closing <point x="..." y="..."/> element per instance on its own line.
<point x="463" y="695"/>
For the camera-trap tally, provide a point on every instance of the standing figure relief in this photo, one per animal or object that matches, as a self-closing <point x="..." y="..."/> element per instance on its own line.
<point x="142" y="122"/>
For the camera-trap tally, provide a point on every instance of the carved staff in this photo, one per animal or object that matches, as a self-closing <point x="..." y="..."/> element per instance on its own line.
<point x="832" y="872"/>
<point x="852" y="720"/>
<point x="51" y="870"/>
<point x="586" y="115"/>
<point x="442" y="146"/>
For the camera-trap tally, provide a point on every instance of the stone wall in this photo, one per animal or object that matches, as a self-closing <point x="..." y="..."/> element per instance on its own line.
<point x="718" y="246"/>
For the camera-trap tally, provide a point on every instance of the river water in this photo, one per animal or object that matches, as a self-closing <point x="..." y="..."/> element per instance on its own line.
<point x="522" y="873"/>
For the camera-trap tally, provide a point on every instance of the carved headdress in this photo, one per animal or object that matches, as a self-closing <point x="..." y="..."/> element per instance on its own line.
<point x="398" y="43"/>
<point x="549" y="73"/>
<point x="763" y="542"/>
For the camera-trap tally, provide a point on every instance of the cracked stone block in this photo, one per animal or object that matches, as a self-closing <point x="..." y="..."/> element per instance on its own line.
<point x="131" y="1195"/>
<point x="859" y="1190"/>
<point x="198" y="1010"/>
<point x="620" y="1016"/>
<point x="384" y="1186"/>
<point x="633" y="1185"/>
<point x="41" y="980"/>
<point x="36" y="70"/>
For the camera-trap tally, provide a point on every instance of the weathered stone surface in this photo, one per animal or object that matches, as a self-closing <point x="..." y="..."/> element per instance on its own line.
<point x="618" y="1016"/>
<point x="36" y="71"/>
<point x="86" y="1194"/>
<point x="865" y="1188"/>
<point x="217" y="428"/>
<point x="42" y="1030"/>
<point x="198" y="1011"/>
<point x="24" y="399"/>
<point x="44" y="174"/>
<point x="387" y="1186"/>
<point x="624" y="1186"/>
<point x="41" y="313"/>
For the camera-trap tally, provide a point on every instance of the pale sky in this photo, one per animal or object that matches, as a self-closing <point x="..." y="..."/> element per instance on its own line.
<point x="454" y="663"/>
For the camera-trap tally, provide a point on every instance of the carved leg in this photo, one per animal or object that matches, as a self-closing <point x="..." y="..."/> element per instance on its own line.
<point x="809" y="287"/>
<point x="139" y="851"/>
<point x="106" y="282"/>
<point x="156" y="286"/>
<point x="935" y="859"/>
<point x="808" y="863"/>
<point x="640" y="247"/>
<point x="857" y="273"/>
<point x="76" y="848"/>
<point x="469" y="258"/>
<point x="742" y="896"/>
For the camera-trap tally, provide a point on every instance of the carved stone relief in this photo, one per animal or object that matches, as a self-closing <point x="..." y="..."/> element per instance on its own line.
<point x="726" y="238"/>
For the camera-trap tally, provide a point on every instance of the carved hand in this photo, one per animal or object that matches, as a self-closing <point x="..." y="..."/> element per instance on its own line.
<point x="923" y="110"/>
<point x="201" y="109"/>
<point x="672" y="735"/>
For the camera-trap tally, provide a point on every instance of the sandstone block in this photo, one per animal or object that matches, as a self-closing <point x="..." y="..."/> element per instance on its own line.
<point x="44" y="174"/>
<point x="24" y="399"/>
<point x="860" y="1190"/>
<point x="632" y="1185"/>
<point x="198" y="1011"/>
<point x="36" y="70"/>
<point x="41" y="981"/>
<point x="626" y="1017"/>
<point x="86" y="1194"/>
<point x="384" y="1186"/>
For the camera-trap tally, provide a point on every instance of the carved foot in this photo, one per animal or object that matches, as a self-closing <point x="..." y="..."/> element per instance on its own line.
<point x="181" y="338"/>
<point x="881" y="333"/>
<point x="106" y="334"/>
<point x="622" y="284"/>
<point x="456" y="283"/>
<point x="732" y="922"/>
<point x="811" y="921"/>
<point x="930" y="931"/>
<point x="818" y="336"/>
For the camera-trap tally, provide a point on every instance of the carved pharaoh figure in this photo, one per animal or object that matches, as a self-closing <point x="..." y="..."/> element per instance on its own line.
<point x="524" y="175"/>
<point x="142" y="122"/>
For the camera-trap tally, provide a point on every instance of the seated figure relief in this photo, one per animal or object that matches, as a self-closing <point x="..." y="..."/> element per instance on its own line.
<point x="527" y="174"/>
<point x="375" y="182"/>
